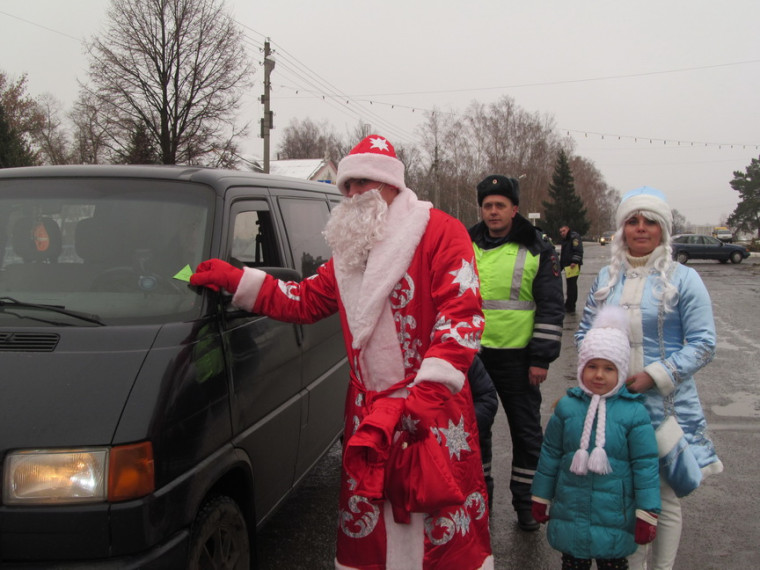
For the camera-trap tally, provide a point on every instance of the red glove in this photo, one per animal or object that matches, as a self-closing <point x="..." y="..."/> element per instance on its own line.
<point x="538" y="510"/>
<point x="424" y="403"/>
<point x="646" y="527"/>
<point x="366" y="451"/>
<point x="217" y="274"/>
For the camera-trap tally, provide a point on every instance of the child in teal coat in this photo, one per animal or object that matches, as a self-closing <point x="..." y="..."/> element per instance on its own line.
<point x="605" y="502"/>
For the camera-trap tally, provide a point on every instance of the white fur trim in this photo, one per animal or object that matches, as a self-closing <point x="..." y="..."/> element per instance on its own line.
<point x="405" y="543"/>
<point x="440" y="370"/>
<point x="713" y="468"/>
<point x="668" y="434"/>
<point x="382" y="361"/>
<point x="248" y="288"/>
<point x="645" y="202"/>
<point x="373" y="166"/>
<point x="661" y="378"/>
<point x="646" y="516"/>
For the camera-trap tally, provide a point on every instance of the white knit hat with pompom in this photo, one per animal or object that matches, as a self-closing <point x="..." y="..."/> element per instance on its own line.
<point x="608" y="339"/>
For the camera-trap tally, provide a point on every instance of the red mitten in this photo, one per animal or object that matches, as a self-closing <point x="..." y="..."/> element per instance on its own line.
<point x="217" y="274"/>
<point x="646" y="527"/>
<point x="367" y="449"/>
<point x="425" y="401"/>
<point x="538" y="510"/>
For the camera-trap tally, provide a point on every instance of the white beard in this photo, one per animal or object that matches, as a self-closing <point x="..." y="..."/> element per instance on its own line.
<point x="355" y="225"/>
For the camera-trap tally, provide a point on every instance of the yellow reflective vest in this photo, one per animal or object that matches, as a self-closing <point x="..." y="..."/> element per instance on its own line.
<point x="506" y="285"/>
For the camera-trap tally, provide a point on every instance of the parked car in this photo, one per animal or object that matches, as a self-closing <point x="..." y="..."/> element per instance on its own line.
<point x="606" y="238"/>
<point x="145" y="423"/>
<point x="695" y="246"/>
<point x="723" y="234"/>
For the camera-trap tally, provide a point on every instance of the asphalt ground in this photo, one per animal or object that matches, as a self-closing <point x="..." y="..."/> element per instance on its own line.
<point x="721" y="518"/>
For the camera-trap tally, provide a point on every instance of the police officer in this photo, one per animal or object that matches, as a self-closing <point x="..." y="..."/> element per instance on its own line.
<point x="571" y="259"/>
<point x="523" y="306"/>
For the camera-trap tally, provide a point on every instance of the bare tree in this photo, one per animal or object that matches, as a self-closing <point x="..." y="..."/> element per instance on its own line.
<point x="177" y="66"/>
<point x="89" y="135"/>
<point x="307" y="139"/>
<point x="50" y="138"/>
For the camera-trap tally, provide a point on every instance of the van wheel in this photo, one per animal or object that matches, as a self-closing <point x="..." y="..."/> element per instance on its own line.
<point x="682" y="257"/>
<point x="219" y="537"/>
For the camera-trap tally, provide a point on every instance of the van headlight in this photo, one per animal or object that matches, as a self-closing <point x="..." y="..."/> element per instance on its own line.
<point x="94" y="474"/>
<point x="55" y="476"/>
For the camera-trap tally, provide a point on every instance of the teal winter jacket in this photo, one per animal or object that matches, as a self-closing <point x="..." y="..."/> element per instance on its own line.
<point x="592" y="515"/>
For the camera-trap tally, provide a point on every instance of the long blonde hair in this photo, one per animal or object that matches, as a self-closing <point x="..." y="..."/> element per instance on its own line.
<point x="663" y="263"/>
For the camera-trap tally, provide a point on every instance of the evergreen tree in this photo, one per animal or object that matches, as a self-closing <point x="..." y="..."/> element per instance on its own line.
<point x="565" y="207"/>
<point x="141" y="149"/>
<point x="746" y="216"/>
<point x="13" y="149"/>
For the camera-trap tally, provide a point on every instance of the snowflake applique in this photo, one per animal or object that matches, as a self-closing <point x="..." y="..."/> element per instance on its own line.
<point x="379" y="143"/>
<point x="409" y="424"/>
<point x="456" y="438"/>
<point x="466" y="277"/>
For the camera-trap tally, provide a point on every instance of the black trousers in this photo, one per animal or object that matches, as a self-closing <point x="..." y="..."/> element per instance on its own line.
<point x="572" y="563"/>
<point x="522" y="404"/>
<point x="572" y="293"/>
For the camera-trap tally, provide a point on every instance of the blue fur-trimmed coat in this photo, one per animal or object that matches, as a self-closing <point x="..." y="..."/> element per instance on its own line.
<point x="688" y="344"/>
<point x="593" y="515"/>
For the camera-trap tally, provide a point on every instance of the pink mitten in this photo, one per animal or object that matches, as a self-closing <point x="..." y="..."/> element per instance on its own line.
<point x="217" y="274"/>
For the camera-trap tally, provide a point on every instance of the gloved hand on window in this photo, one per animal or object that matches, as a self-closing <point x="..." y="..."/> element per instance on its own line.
<point x="217" y="274"/>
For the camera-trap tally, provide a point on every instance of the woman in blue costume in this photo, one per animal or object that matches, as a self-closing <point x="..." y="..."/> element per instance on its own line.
<point x="672" y="335"/>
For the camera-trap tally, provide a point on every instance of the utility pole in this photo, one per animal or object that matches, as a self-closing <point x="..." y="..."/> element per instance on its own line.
<point x="267" y="122"/>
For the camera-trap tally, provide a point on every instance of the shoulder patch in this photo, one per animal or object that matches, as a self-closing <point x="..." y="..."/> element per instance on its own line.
<point x="576" y="241"/>
<point x="555" y="265"/>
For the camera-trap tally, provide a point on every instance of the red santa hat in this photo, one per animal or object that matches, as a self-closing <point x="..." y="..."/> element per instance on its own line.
<point x="373" y="158"/>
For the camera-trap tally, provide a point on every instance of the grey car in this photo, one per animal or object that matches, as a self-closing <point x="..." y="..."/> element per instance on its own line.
<point x="145" y="423"/>
<point x="695" y="246"/>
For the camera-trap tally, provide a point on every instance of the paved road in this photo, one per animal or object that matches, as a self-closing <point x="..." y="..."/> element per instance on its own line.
<point x="721" y="519"/>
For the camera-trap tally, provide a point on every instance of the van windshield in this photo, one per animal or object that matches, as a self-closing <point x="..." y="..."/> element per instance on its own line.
<point x="112" y="248"/>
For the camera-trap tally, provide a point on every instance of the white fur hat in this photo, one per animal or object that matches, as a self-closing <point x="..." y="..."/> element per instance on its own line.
<point x="647" y="199"/>
<point x="608" y="339"/>
<point x="373" y="158"/>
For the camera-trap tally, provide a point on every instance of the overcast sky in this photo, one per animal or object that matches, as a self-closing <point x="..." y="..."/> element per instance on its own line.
<point x="664" y="93"/>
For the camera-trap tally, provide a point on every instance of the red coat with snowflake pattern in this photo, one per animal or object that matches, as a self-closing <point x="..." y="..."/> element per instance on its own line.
<point x="414" y="315"/>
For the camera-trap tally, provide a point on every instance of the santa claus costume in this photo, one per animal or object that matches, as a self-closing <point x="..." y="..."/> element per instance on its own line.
<point x="412" y="488"/>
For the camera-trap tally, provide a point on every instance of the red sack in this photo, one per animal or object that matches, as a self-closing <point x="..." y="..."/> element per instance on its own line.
<point x="418" y="478"/>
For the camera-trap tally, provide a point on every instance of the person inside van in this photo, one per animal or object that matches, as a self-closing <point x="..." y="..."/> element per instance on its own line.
<point x="404" y="281"/>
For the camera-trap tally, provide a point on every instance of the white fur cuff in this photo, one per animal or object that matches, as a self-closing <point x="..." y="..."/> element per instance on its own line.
<point x="439" y="370"/>
<point x="248" y="288"/>
<point x="661" y="378"/>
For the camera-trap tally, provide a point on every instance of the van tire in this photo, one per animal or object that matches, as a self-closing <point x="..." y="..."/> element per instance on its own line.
<point x="219" y="537"/>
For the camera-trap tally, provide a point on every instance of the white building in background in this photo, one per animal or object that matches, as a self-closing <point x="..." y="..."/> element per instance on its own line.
<point x="315" y="169"/>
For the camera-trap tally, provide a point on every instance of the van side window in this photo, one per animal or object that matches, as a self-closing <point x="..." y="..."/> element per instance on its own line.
<point x="254" y="243"/>
<point x="304" y="221"/>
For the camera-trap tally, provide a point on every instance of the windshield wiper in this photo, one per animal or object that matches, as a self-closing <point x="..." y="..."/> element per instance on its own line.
<point x="11" y="302"/>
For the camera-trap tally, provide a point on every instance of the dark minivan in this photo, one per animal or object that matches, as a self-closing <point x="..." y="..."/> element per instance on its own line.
<point x="145" y="423"/>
